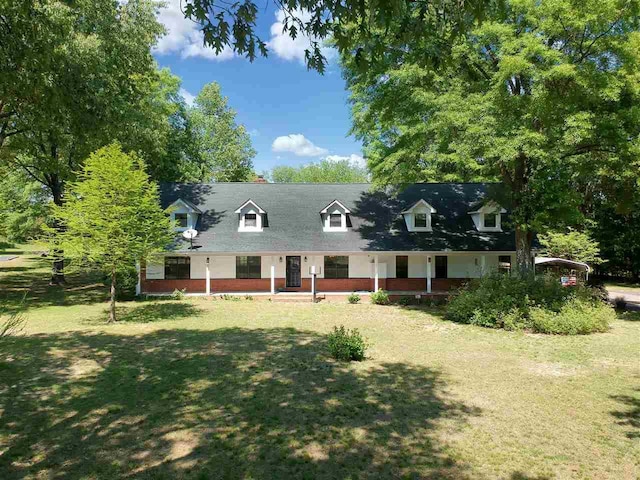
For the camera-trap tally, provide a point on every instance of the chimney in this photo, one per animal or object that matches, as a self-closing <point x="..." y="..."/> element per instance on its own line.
<point x="260" y="179"/>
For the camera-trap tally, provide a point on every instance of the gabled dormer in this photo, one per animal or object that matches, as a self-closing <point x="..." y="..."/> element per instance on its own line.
<point x="185" y="214"/>
<point x="418" y="217"/>
<point x="251" y="218"/>
<point x="335" y="217"/>
<point x="488" y="218"/>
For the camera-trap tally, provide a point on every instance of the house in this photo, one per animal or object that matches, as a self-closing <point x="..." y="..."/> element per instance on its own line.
<point x="261" y="237"/>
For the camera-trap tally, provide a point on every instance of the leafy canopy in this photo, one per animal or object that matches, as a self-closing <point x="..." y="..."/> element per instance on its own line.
<point x="223" y="148"/>
<point x="235" y="24"/>
<point x="573" y="245"/>
<point x="111" y="215"/>
<point x="536" y="96"/>
<point x="325" y="171"/>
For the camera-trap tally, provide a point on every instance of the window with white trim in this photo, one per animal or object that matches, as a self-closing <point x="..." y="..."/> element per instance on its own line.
<point x="181" y="220"/>
<point x="250" y="220"/>
<point x="335" y="220"/>
<point x="420" y="220"/>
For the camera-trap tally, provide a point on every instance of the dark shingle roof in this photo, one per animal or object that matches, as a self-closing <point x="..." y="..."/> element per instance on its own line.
<point x="377" y="224"/>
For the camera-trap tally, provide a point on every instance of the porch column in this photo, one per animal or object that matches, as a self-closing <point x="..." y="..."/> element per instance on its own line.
<point x="429" y="274"/>
<point x="139" y="283"/>
<point x="208" y="278"/>
<point x="273" y="276"/>
<point x="483" y="265"/>
<point x="376" y="274"/>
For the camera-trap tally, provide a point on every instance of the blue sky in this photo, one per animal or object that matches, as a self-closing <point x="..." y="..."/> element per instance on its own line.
<point x="295" y="116"/>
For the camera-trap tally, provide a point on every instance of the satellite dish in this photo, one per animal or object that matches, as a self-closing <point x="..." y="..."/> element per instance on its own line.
<point x="190" y="234"/>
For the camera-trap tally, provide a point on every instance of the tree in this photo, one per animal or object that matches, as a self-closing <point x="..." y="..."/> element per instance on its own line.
<point x="573" y="245"/>
<point x="24" y="206"/>
<point x="537" y="96"/>
<point x="325" y="171"/>
<point x="112" y="216"/>
<point x="74" y="76"/>
<point x="386" y="24"/>
<point x="222" y="147"/>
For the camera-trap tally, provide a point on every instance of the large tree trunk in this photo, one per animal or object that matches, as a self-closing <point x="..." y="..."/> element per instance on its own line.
<point x="524" y="238"/>
<point x="57" y="272"/>
<point x="112" y="306"/>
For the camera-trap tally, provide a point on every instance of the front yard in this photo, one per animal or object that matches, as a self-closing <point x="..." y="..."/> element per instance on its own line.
<point x="245" y="389"/>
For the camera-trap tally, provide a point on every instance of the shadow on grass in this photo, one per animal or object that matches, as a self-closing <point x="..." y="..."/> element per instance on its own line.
<point x="230" y="403"/>
<point x="629" y="316"/>
<point x="150" y="312"/>
<point x="630" y="416"/>
<point x="32" y="280"/>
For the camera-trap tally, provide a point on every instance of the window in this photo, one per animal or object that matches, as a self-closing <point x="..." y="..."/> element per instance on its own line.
<point x="177" y="268"/>
<point x="336" y="267"/>
<point x="248" y="267"/>
<point x="420" y="220"/>
<point x="504" y="263"/>
<point x="490" y="220"/>
<point x="402" y="266"/>
<point x="441" y="266"/>
<point x="181" y="220"/>
<point x="335" y="220"/>
<point x="250" y="220"/>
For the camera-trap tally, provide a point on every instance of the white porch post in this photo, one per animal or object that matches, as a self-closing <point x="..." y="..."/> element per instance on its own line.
<point x="376" y="274"/>
<point x="483" y="265"/>
<point x="273" y="276"/>
<point x="139" y="283"/>
<point x="208" y="279"/>
<point x="429" y="274"/>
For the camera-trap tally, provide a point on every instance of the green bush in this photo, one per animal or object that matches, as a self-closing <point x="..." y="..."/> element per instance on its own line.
<point x="179" y="294"/>
<point x="126" y="281"/>
<point x="353" y="298"/>
<point x="576" y="317"/>
<point x="346" y="344"/>
<point x="380" y="297"/>
<point x="503" y="301"/>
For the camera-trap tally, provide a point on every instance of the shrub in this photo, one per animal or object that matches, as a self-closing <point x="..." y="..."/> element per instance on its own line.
<point x="404" y="301"/>
<point x="179" y="294"/>
<point x="353" y="298"/>
<point x="576" y="317"/>
<point x="620" y="303"/>
<point x="126" y="282"/>
<point x="502" y="301"/>
<point x="380" y="297"/>
<point x="346" y="344"/>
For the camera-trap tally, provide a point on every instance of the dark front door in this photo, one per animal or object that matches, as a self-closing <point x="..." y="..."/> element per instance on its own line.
<point x="293" y="271"/>
<point x="441" y="267"/>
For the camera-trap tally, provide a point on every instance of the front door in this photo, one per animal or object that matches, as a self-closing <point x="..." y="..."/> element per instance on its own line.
<point x="293" y="271"/>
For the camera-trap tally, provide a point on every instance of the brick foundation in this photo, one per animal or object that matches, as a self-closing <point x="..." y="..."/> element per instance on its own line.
<point x="222" y="285"/>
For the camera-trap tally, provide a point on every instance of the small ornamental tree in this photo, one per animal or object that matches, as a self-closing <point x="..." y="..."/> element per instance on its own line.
<point x="111" y="216"/>
<point x="573" y="245"/>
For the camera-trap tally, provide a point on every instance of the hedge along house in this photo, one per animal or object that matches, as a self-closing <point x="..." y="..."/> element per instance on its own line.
<point x="256" y="237"/>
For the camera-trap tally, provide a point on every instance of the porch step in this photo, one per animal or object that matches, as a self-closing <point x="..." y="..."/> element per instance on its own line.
<point x="295" y="299"/>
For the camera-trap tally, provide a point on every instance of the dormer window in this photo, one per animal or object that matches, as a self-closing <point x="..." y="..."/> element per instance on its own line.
<point x="418" y="217"/>
<point x="181" y="220"/>
<point x="251" y="218"/>
<point x="335" y="217"/>
<point x="184" y="215"/>
<point x="488" y="218"/>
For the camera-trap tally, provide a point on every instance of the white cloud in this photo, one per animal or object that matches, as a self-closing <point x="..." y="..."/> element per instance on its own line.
<point x="297" y="144"/>
<point x="189" y="97"/>
<point x="287" y="48"/>
<point x="184" y="37"/>
<point x="354" y="159"/>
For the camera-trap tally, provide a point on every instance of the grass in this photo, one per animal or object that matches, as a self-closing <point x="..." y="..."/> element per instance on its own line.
<point x="215" y="389"/>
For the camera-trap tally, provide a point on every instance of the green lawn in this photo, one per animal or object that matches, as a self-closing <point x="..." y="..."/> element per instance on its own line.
<point x="245" y="389"/>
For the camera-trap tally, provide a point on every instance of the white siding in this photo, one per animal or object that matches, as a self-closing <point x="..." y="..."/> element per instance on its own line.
<point x="155" y="269"/>
<point x="463" y="266"/>
<point x="222" y="267"/>
<point x="360" y="266"/>
<point x="198" y="267"/>
<point x="418" y="266"/>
